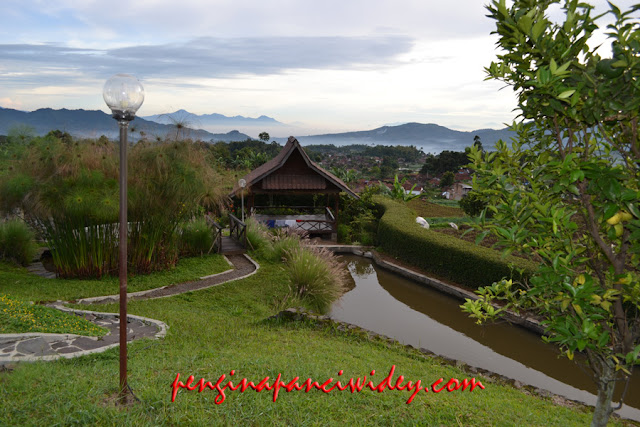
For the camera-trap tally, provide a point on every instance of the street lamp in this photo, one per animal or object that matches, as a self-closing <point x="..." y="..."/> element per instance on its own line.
<point x="242" y="183"/>
<point x="123" y="94"/>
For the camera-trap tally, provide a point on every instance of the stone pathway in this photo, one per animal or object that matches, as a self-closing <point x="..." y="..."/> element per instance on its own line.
<point x="41" y="346"/>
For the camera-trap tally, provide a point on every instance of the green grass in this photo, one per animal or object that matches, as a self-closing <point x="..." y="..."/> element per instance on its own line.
<point x="17" y="316"/>
<point x="216" y="330"/>
<point x="431" y="209"/>
<point x="16" y="281"/>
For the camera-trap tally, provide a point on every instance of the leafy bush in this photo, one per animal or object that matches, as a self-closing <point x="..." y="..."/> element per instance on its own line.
<point x="443" y="255"/>
<point x="17" y="242"/>
<point x="398" y="192"/>
<point x="473" y="204"/>
<point x="358" y="217"/>
<point x="317" y="278"/>
<point x="196" y="237"/>
<point x="344" y="234"/>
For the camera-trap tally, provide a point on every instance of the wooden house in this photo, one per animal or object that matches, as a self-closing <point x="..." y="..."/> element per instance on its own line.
<point x="273" y="189"/>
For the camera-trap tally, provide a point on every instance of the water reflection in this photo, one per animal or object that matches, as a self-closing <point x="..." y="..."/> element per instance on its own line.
<point x="414" y="314"/>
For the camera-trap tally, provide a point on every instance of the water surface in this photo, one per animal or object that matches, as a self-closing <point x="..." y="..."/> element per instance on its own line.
<point x="414" y="314"/>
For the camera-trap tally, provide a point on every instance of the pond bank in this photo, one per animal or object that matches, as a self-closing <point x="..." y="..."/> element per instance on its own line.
<point x="416" y="311"/>
<point x="412" y="274"/>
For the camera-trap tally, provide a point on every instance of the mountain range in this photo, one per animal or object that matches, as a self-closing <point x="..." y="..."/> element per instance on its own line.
<point x="210" y="120"/>
<point x="86" y="123"/>
<point x="430" y="137"/>
<point x="93" y="123"/>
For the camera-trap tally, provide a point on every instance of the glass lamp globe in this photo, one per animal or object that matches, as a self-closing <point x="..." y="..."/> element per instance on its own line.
<point x="123" y="94"/>
<point x="242" y="182"/>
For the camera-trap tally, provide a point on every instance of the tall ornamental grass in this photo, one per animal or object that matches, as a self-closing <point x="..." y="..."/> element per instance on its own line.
<point x="69" y="192"/>
<point x="316" y="277"/>
<point x="196" y="237"/>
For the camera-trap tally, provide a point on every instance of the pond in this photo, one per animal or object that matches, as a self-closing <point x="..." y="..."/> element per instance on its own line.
<point x="414" y="314"/>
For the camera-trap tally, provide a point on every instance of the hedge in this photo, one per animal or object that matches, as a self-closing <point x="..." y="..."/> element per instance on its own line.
<point x="441" y="254"/>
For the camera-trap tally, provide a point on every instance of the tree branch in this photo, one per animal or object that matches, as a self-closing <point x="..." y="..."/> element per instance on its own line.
<point x="592" y="225"/>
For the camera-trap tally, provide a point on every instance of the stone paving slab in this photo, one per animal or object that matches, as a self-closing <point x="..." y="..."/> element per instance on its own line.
<point x="43" y="346"/>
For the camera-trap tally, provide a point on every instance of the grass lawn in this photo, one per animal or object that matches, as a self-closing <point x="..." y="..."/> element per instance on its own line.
<point x="216" y="330"/>
<point x="429" y="209"/>
<point x="17" y="282"/>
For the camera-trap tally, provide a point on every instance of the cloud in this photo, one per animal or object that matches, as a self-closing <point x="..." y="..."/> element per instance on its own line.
<point x="205" y="57"/>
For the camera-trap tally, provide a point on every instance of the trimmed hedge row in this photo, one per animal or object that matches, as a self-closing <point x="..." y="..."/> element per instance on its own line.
<point x="451" y="258"/>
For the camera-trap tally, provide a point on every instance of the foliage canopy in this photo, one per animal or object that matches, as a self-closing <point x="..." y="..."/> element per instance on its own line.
<point x="568" y="189"/>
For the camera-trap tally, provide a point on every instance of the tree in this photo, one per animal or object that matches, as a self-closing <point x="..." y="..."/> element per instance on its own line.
<point x="444" y="162"/>
<point x="447" y="179"/>
<point x="567" y="190"/>
<point x="477" y="142"/>
<point x="472" y="204"/>
<point x="264" y="136"/>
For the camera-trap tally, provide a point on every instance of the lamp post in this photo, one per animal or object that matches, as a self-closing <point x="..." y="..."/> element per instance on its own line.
<point x="123" y="94"/>
<point x="242" y="183"/>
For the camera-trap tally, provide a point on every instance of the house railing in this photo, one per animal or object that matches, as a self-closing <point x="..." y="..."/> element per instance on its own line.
<point x="238" y="230"/>
<point x="316" y="225"/>
<point x="217" y="235"/>
<point x="285" y="210"/>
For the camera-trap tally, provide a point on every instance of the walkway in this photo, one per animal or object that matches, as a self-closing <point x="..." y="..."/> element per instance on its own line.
<point x="40" y="346"/>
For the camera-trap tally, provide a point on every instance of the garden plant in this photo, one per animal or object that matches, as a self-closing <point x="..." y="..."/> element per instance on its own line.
<point x="567" y="190"/>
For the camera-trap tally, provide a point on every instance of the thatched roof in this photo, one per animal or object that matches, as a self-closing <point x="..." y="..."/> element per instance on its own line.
<point x="316" y="181"/>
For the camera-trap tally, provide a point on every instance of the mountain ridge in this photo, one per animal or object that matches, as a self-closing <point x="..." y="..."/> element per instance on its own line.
<point x="213" y="119"/>
<point x="430" y="137"/>
<point x="93" y="123"/>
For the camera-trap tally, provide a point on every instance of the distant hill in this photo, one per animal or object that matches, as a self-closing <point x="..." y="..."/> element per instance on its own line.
<point x="430" y="137"/>
<point x="93" y="123"/>
<point x="211" y="120"/>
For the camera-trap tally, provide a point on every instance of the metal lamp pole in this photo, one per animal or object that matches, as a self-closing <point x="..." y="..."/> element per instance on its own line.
<point x="123" y="94"/>
<point x="242" y="183"/>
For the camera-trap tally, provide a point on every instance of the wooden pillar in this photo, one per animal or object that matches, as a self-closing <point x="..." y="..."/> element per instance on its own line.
<point x="337" y="195"/>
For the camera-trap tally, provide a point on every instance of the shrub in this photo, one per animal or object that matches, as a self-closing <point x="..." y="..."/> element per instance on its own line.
<point x="441" y="254"/>
<point x="317" y="278"/>
<point x="344" y="234"/>
<point x="17" y="242"/>
<point x="358" y="217"/>
<point x="196" y="237"/>
<point x="473" y="204"/>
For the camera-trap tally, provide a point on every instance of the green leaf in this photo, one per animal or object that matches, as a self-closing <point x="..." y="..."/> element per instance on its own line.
<point x="633" y="208"/>
<point x="537" y="29"/>
<point x="566" y="94"/>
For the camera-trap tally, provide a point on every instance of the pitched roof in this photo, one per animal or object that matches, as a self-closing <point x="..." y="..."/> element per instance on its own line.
<point x="300" y="182"/>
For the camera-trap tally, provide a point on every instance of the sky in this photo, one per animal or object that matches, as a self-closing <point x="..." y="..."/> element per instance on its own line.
<point x="318" y="66"/>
